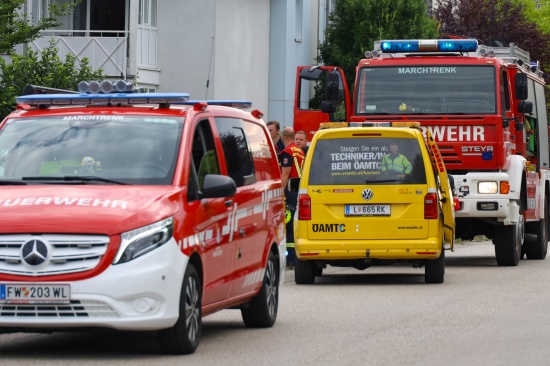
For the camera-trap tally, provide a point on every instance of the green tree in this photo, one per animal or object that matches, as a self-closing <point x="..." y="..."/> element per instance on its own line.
<point x="356" y="24"/>
<point x="517" y="21"/>
<point x="505" y="21"/>
<point x="16" y="27"/>
<point x="47" y="69"/>
<point x="538" y="12"/>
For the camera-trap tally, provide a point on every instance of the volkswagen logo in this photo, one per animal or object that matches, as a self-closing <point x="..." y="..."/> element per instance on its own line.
<point x="34" y="252"/>
<point x="367" y="194"/>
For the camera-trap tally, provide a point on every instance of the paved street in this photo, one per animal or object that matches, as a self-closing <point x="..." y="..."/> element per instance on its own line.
<point x="482" y="315"/>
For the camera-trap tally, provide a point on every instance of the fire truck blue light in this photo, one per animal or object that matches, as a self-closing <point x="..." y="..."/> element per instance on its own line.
<point x="436" y="45"/>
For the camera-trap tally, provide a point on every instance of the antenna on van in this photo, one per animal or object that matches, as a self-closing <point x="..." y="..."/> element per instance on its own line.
<point x="209" y="68"/>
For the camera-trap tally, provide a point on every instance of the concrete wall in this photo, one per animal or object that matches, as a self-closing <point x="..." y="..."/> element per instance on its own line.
<point x="225" y="42"/>
<point x="185" y="32"/>
<point x="231" y="49"/>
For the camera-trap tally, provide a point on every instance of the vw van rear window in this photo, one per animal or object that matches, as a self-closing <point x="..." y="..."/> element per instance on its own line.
<point x="358" y="161"/>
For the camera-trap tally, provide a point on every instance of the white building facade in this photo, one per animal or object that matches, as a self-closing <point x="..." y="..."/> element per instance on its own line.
<point x="212" y="49"/>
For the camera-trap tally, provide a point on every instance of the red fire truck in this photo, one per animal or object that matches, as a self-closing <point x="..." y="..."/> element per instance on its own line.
<point x="486" y="108"/>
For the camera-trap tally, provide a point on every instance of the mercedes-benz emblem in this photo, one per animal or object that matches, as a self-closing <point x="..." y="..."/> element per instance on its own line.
<point x="366" y="194"/>
<point x="34" y="252"/>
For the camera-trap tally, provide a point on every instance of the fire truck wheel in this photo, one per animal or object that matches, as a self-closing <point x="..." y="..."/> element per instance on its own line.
<point x="434" y="269"/>
<point x="538" y="249"/>
<point x="261" y="312"/>
<point x="304" y="272"/>
<point x="184" y="336"/>
<point x="508" y="241"/>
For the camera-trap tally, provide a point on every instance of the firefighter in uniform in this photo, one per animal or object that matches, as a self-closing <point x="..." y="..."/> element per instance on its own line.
<point x="292" y="160"/>
<point x="395" y="163"/>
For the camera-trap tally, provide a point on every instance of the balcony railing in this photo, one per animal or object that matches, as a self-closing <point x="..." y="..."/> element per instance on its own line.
<point x="105" y="50"/>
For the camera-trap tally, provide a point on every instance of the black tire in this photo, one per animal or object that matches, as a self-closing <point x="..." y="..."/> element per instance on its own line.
<point x="261" y="312"/>
<point x="304" y="272"/>
<point x="538" y="249"/>
<point x="434" y="271"/>
<point x="184" y="336"/>
<point x="318" y="271"/>
<point x="508" y="242"/>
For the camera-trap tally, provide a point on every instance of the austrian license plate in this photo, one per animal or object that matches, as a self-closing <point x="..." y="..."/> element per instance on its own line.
<point x="31" y="293"/>
<point x="367" y="210"/>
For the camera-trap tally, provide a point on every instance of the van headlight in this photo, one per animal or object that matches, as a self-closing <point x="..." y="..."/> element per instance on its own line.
<point x="140" y="241"/>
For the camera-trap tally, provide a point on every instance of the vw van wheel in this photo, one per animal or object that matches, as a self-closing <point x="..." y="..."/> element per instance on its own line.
<point x="435" y="269"/>
<point x="304" y="272"/>
<point x="538" y="249"/>
<point x="261" y="312"/>
<point x="508" y="241"/>
<point x="184" y="336"/>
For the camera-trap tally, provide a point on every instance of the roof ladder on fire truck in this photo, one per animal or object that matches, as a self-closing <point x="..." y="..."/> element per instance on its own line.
<point x="511" y="53"/>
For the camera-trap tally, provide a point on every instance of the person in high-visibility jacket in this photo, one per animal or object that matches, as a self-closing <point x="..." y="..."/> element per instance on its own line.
<point x="395" y="163"/>
<point x="292" y="160"/>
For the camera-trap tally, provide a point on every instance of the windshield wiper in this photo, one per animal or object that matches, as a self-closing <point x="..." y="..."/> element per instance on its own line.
<point x="386" y="180"/>
<point x="76" y="178"/>
<point x="416" y="113"/>
<point x="8" y="182"/>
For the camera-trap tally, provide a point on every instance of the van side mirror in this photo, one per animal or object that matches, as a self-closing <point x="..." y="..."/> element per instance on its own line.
<point x="218" y="186"/>
<point x="525" y="107"/>
<point x="293" y="184"/>
<point x="521" y="86"/>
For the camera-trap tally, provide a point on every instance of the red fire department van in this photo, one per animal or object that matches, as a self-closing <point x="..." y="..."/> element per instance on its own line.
<point x="137" y="211"/>
<point x="485" y="107"/>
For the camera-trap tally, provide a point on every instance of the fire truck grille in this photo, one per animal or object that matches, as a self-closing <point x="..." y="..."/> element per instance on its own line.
<point x="75" y="309"/>
<point x="50" y="254"/>
<point x="449" y="155"/>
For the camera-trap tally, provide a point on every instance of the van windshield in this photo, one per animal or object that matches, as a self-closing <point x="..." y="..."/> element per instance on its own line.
<point x="358" y="161"/>
<point x="111" y="148"/>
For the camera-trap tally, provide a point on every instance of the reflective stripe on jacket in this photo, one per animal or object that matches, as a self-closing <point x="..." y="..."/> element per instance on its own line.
<point x="297" y="156"/>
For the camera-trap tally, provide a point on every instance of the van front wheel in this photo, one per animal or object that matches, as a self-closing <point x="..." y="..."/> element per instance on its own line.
<point x="184" y="336"/>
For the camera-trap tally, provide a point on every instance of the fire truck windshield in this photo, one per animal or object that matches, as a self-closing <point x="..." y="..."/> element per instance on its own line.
<point x="426" y="89"/>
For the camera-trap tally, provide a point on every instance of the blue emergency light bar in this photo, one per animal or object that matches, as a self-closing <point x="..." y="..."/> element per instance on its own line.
<point x="102" y="99"/>
<point x="429" y="45"/>
<point x="240" y="104"/>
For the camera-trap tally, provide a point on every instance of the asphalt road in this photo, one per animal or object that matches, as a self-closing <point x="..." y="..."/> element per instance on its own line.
<point x="481" y="315"/>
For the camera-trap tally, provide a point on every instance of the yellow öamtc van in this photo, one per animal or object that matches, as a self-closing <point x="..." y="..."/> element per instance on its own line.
<point x="373" y="195"/>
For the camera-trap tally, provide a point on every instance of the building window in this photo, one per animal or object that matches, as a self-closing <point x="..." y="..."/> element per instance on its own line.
<point x="299" y="19"/>
<point x="148" y="12"/>
<point x="39" y="10"/>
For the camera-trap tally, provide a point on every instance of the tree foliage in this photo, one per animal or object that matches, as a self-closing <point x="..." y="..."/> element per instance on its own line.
<point x="45" y="69"/>
<point x="538" y="12"/>
<point x="488" y="20"/>
<point x="16" y="28"/>
<point x="356" y="24"/>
